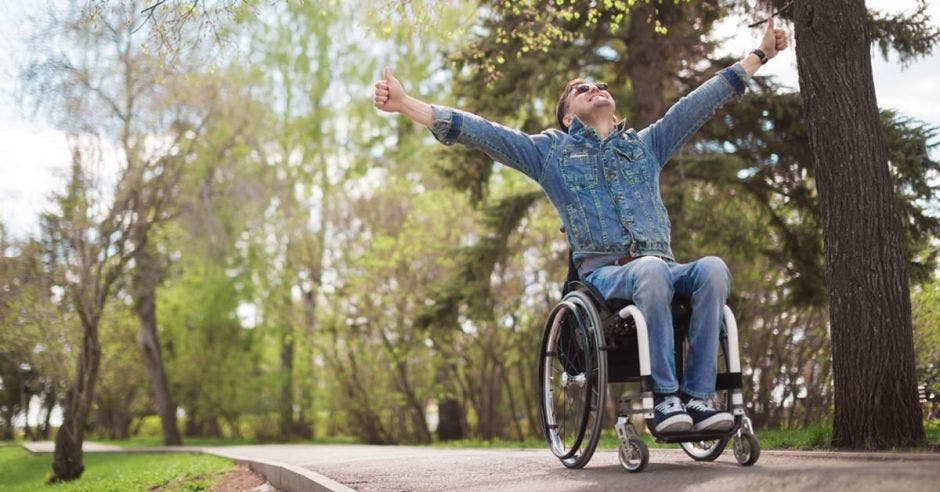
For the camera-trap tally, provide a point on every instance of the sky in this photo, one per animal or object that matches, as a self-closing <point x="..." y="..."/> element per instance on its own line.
<point x="33" y="156"/>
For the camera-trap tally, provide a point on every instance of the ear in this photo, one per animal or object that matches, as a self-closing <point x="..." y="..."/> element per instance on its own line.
<point x="568" y="119"/>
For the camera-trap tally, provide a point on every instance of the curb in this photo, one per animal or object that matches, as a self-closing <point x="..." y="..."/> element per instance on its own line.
<point x="856" y="455"/>
<point x="829" y="455"/>
<point x="290" y="478"/>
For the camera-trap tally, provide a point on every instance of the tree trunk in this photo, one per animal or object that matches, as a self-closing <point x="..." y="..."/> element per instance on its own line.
<point x="286" y="421"/>
<point x="68" y="463"/>
<point x="449" y="411"/>
<point x="6" y="430"/>
<point x="24" y="406"/>
<point x="48" y="404"/>
<point x="646" y="70"/>
<point x="866" y="271"/>
<point x="146" y="279"/>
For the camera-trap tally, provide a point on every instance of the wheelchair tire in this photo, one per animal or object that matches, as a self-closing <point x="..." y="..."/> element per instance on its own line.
<point x="704" y="450"/>
<point x="635" y="456"/>
<point x="746" y="449"/>
<point x="572" y="379"/>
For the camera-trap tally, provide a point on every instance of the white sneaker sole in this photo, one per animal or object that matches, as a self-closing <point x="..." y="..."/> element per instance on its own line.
<point x="718" y="422"/>
<point x="676" y="423"/>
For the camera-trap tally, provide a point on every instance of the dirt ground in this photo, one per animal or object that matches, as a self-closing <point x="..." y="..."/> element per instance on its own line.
<point x="241" y="479"/>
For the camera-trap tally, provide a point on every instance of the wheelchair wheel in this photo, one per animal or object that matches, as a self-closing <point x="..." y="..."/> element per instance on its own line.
<point x="746" y="449"/>
<point x="704" y="450"/>
<point x="572" y="380"/>
<point x="634" y="456"/>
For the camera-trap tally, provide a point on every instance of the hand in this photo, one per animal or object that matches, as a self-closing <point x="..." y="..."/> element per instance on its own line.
<point x="774" y="40"/>
<point x="389" y="94"/>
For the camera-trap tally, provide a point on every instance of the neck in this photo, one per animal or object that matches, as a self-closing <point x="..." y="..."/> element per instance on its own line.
<point x="602" y="126"/>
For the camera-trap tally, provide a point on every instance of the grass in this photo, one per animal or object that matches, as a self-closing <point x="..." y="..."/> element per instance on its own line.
<point x="20" y="470"/>
<point x="814" y="437"/>
<point x="152" y="442"/>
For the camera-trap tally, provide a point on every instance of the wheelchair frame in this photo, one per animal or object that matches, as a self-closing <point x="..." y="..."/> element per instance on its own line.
<point x="581" y="331"/>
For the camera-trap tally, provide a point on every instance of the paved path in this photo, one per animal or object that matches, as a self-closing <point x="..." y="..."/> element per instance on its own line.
<point x="380" y="468"/>
<point x="396" y="468"/>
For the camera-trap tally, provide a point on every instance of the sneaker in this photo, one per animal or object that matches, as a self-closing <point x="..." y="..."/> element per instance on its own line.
<point x="706" y="418"/>
<point x="669" y="416"/>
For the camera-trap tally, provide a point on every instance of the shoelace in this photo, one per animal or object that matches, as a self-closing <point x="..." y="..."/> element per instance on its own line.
<point x="669" y="404"/>
<point x="700" y="405"/>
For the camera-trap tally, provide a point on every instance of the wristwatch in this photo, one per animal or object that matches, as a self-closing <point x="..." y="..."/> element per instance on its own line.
<point x="760" y="54"/>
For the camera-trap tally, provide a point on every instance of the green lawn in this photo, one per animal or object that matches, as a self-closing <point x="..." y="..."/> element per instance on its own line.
<point x="813" y="437"/>
<point x="150" y="442"/>
<point x="20" y="470"/>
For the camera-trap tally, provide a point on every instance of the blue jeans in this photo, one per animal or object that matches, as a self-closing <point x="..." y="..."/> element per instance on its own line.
<point x="650" y="283"/>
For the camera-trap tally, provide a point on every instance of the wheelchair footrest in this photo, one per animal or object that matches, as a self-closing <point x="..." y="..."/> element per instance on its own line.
<point x="695" y="436"/>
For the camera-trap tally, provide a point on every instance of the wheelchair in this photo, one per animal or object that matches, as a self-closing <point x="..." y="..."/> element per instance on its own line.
<point x="589" y="342"/>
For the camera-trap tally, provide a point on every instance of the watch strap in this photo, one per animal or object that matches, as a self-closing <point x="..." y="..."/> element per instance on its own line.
<point x="760" y="54"/>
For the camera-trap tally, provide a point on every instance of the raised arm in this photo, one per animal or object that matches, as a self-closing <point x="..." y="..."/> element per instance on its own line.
<point x="516" y="149"/>
<point x="686" y="116"/>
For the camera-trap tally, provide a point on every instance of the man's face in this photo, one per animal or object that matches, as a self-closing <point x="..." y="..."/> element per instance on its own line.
<point x="590" y="102"/>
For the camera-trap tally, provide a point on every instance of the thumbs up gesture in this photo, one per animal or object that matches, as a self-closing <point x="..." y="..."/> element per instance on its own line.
<point x="389" y="94"/>
<point x="774" y="40"/>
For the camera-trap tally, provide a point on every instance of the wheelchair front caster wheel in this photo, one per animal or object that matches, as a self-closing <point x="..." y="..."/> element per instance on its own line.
<point x="746" y="449"/>
<point x="634" y="456"/>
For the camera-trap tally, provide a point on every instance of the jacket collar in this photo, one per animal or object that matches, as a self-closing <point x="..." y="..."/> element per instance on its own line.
<point x="577" y="128"/>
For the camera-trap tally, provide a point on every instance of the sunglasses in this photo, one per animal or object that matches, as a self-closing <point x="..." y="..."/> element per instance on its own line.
<point x="582" y="88"/>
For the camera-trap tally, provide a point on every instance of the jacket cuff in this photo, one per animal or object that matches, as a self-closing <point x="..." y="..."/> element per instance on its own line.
<point x="736" y="76"/>
<point x="446" y="124"/>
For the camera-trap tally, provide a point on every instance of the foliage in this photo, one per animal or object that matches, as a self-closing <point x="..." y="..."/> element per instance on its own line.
<point x="910" y="36"/>
<point x="925" y="304"/>
<point x="332" y="273"/>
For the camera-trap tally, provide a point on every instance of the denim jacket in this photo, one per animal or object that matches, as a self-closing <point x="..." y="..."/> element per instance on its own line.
<point x="606" y="191"/>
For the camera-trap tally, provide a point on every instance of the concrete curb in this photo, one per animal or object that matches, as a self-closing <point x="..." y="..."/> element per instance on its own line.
<point x="283" y="476"/>
<point x="855" y="455"/>
<point x="290" y="478"/>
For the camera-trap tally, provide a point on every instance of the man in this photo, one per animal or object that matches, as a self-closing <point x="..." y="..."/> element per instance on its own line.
<point x="603" y="178"/>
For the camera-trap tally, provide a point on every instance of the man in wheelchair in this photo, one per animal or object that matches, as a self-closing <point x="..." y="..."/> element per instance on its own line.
<point x="603" y="178"/>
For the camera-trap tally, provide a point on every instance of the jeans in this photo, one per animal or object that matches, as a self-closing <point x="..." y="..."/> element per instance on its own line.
<point x="650" y="283"/>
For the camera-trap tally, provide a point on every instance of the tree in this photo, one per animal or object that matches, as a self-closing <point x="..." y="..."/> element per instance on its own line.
<point x="108" y="93"/>
<point x="866" y="268"/>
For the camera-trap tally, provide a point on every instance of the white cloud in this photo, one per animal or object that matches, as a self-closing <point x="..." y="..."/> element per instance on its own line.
<point x="32" y="166"/>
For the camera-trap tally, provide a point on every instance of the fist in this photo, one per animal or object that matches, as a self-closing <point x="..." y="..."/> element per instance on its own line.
<point x="389" y="94"/>
<point x="774" y="40"/>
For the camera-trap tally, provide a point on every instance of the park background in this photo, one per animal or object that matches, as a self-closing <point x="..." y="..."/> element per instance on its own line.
<point x="267" y="257"/>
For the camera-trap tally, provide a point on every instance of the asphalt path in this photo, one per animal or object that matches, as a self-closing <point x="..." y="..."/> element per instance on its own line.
<point x="385" y="468"/>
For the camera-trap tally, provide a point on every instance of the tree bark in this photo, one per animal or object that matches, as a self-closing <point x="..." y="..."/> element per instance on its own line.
<point x="67" y="464"/>
<point x="646" y="70"/>
<point x="866" y="270"/>
<point x="145" y="281"/>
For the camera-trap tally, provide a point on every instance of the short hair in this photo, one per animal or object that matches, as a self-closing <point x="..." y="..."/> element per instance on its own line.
<point x="562" y="108"/>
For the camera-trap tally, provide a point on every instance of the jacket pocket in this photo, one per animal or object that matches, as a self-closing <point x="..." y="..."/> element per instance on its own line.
<point x="579" y="168"/>
<point x="633" y="165"/>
